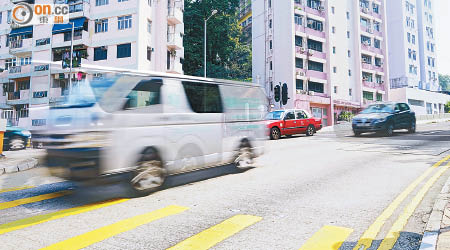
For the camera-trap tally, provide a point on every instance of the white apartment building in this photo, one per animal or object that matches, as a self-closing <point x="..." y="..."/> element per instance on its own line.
<point x="332" y="54"/>
<point x="126" y="34"/>
<point x="413" y="55"/>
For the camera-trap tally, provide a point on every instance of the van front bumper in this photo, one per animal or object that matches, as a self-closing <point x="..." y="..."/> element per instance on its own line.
<point x="74" y="164"/>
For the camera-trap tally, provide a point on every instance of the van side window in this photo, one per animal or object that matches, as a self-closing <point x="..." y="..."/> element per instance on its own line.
<point x="203" y="97"/>
<point x="403" y="107"/>
<point x="146" y="93"/>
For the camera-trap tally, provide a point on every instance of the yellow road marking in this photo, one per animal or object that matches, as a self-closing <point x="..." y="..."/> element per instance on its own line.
<point x="27" y="222"/>
<point x="23" y="201"/>
<point x="89" y="238"/>
<point x="371" y="233"/>
<point x="399" y="224"/>
<point x="327" y="238"/>
<point x="217" y="233"/>
<point x="15" y="189"/>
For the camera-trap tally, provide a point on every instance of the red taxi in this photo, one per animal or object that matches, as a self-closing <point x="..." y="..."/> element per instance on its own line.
<point x="291" y="122"/>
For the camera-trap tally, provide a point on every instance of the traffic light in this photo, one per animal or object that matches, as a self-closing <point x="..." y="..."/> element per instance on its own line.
<point x="277" y="93"/>
<point x="284" y="94"/>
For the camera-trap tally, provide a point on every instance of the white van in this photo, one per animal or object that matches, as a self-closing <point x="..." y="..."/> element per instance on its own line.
<point x="151" y="126"/>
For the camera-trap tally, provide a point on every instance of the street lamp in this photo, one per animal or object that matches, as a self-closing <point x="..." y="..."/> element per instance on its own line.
<point x="204" y="55"/>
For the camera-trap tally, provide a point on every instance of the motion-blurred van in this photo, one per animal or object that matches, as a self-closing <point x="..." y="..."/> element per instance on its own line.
<point x="150" y="126"/>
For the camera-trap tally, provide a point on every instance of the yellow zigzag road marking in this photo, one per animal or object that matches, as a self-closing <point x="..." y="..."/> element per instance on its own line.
<point x="371" y="233"/>
<point x="213" y="235"/>
<point x="399" y="224"/>
<point x="27" y="222"/>
<point x="23" y="201"/>
<point x="89" y="238"/>
<point x="15" y="189"/>
<point x="327" y="238"/>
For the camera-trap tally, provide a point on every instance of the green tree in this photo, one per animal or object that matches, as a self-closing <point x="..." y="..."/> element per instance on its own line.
<point x="447" y="107"/>
<point x="444" y="82"/>
<point x="226" y="57"/>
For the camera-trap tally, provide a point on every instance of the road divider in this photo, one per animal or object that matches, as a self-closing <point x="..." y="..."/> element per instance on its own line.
<point x="399" y="224"/>
<point x="213" y="235"/>
<point x="327" y="238"/>
<point x="15" y="203"/>
<point x="371" y="233"/>
<point x="15" y="189"/>
<point x="27" y="222"/>
<point x="89" y="238"/>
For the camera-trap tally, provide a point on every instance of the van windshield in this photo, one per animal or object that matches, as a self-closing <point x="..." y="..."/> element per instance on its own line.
<point x="86" y="93"/>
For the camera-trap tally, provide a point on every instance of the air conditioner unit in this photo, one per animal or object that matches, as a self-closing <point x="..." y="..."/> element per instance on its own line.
<point x="365" y="79"/>
<point x="366" y="43"/>
<point x="98" y="21"/>
<point x="302" y="50"/>
<point x="310" y="52"/>
<point x="321" y="8"/>
<point x="311" y="93"/>
<point x="366" y="10"/>
<point x="301" y="73"/>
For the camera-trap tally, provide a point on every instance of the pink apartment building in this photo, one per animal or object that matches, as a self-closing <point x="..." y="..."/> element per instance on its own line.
<point x="125" y="34"/>
<point x="330" y="53"/>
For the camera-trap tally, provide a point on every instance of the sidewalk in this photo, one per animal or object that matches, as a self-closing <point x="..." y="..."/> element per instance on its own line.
<point x="437" y="231"/>
<point x="15" y="161"/>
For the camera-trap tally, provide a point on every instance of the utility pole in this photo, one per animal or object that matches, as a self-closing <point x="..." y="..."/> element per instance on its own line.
<point x="71" y="58"/>
<point x="204" y="39"/>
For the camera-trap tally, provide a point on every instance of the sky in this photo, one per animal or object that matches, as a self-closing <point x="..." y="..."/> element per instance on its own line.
<point x="443" y="36"/>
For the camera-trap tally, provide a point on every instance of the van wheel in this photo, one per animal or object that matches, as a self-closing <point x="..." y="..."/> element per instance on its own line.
<point x="310" y="130"/>
<point x="244" y="158"/>
<point x="275" y="134"/>
<point x="149" y="174"/>
<point x="412" y="127"/>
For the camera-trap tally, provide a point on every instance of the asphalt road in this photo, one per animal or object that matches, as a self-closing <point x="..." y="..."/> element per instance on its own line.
<point x="332" y="188"/>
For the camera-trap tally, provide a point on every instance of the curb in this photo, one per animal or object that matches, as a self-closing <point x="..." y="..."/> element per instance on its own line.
<point x="433" y="228"/>
<point x="25" y="165"/>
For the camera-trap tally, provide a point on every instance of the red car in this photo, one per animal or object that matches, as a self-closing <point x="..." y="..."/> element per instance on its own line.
<point x="291" y="122"/>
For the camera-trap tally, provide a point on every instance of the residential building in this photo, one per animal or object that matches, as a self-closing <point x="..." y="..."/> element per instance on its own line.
<point x="125" y="34"/>
<point x="413" y="55"/>
<point x="330" y="54"/>
<point x="245" y="19"/>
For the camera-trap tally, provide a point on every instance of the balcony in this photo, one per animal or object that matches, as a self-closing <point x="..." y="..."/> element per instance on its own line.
<point x="374" y="85"/>
<point x="371" y="49"/>
<point x="175" y="15"/>
<point x="63" y="39"/>
<point x="174" y="41"/>
<point x="300" y="28"/>
<point x="320" y="11"/>
<point x="314" y="32"/>
<point x="314" y="97"/>
<point x="15" y="70"/>
<point x="19" y="71"/>
<point x="18" y="97"/>
<point x="20" y="46"/>
<point x="175" y="66"/>
<point x="317" y="54"/>
<point x="317" y="74"/>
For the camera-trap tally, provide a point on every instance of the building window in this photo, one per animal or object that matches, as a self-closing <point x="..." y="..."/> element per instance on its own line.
<point x="348" y="34"/>
<point x="334" y="69"/>
<point x="378" y="79"/>
<point x="377" y="43"/>
<point x="315" y="86"/>
<point x="271" y="65"/>
<point x="297" y="18"/>
<point x="149" y="53"/>
<point x="270" y="44"/>
<point x="299" y="84"/>
<point x="334" y="50"/>
<point x="315" y="45"/>
<point x="332" y="9"/>
<point x="1" y="17"/>
<point x="367" y="77"/>
<point x="38" y="122"/>
<point x="350" y="92"/>
<point x="270" y="23"/>
<point x="39" y="94"/>
<point x="100" y="53"/>
<point x="348" y="15"/>
<point x="349" y="72"/>
<point x="299" y="63"/>
<point x="335" y="89"/>
<point x="316" y="66"/>
<point x="315" y="25"/>
<point x="122" y="0"/>
<point x="408" y="35"/>
<point x="101" y="25"/>
<point x="8" y="17"/>
<point x="368" y="95"/>
<point x="124" y="22"/>
<point x="298" y="41"/>
<point x="149" y="26"/>
<point x="349" y="53"/>
<point x="333" y="29"/>
<point x="366" y="40"/>
<point x="379" y="97"/>
<point x="413" y="39"/>
<point x="101" y="2"/>
<point x="124" y="50"/>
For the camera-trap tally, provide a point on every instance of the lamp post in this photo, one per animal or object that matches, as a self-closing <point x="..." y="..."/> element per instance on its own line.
<point x="204" y="55"/>
<point x="71" y="57"/>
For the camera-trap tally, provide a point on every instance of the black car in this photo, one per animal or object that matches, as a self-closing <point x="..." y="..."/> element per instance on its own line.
<point x="384" y="117"/>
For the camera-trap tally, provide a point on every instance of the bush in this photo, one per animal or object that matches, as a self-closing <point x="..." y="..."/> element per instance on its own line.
<point x="447" y="107"/>
<point x="345" y="116"/>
